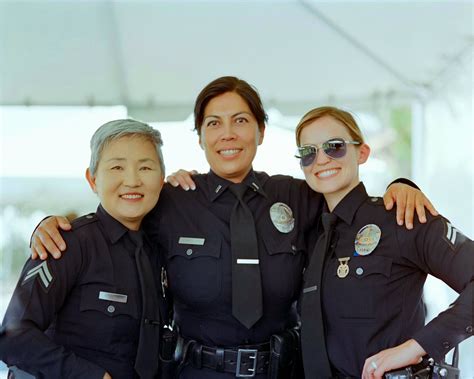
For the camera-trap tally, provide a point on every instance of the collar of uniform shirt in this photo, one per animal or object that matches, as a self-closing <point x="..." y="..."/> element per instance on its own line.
<point x="348" y="206"/>
<point x="218" y="185"/>
<point x="112" y="228"/>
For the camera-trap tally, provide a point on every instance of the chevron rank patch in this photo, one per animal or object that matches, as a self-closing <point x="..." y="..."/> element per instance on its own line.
<point x="453" y="236"/>
<point x="43" y="273"/>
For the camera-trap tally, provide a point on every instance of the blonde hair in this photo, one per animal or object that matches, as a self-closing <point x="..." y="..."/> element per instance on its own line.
<point x="345" y="118"/>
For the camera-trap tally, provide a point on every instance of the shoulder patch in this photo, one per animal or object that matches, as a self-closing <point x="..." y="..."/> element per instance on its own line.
<point x="84" y="220"/>
<point x="42" y="273"/>
<point x="374" y="200"/>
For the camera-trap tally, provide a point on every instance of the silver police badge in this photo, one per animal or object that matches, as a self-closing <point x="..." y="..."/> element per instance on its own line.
<point x="282" y="217"/>
<point x="367" y="239"/>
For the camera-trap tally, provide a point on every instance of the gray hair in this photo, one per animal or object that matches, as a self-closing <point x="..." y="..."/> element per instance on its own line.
<point x="116" y="129"/>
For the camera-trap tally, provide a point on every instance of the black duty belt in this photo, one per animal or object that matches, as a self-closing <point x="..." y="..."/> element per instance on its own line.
<point x="244" y="362"/>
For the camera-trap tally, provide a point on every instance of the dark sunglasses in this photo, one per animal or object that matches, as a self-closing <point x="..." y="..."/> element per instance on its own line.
<point x="334" y="148"/>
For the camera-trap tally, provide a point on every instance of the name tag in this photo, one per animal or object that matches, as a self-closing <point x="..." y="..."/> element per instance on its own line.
<point x="191" y="241"/>
<point x="109" y="296"/>
<point x="248" y="261"/>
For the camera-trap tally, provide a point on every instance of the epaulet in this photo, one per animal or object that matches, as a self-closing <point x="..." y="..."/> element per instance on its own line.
<point x="84" y="220"/>
<point x="277" y="176"/>
<point x="374" y="200"/>
<point x="262" y="177"/>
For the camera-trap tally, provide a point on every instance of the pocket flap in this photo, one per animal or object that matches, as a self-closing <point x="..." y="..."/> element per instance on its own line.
<point x="278" y="243"/>
<point x="192" y="247"/>
<point x="361" y="267"/>
<point x="91" y="301"/>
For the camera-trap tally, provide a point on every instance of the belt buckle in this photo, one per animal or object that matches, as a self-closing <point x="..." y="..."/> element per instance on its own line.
<point x="252" y="354"/>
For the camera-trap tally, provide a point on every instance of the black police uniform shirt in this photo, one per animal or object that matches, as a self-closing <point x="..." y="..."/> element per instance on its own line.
<point x="192" y="229"/>
<point x="379" y="305"/>
<point x="78" y="316"/>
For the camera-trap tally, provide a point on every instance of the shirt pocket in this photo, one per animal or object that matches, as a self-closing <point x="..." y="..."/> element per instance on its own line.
<point x="282" y="265"/>
<point x="109" y="321"/>
<point x="195" y="270"/>
<point x="364" y="294"/>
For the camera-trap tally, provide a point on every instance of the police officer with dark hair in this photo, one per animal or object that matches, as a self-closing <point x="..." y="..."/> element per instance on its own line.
<point x="96" y="312"/>
<point x="367" y="273"/>
<point x="235" y="246"/>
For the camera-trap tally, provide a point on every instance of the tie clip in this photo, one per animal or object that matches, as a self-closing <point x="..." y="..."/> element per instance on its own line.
<point x="109" y="296"/>
<point x="248" y="261"/>
<point x="309" y="289"/>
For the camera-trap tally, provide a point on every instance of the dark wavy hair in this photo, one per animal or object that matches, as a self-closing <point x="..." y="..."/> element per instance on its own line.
<point x="223" y="85"/>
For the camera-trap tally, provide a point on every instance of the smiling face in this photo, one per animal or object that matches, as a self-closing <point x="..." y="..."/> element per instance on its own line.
<point x="332" y="177"/>
<point x="229" y="136"/>
<point x="128" y="179"/>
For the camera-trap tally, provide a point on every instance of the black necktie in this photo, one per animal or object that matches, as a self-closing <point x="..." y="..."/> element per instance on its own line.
<point x="246" y="280"/>
<point x="313" y="341"/>
<point x="146" y="362"/>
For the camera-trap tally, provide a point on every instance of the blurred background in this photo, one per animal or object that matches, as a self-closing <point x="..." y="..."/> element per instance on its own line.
<point x="404" y="68"/>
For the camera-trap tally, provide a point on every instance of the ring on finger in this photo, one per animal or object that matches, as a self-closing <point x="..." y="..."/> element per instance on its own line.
<point x="373" y="364"/>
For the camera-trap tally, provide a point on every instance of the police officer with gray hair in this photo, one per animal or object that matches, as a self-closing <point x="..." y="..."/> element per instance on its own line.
<point x="97" y="312"/>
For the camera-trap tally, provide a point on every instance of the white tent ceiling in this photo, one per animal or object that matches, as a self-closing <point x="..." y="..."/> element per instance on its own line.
<point x="155" y="56"/>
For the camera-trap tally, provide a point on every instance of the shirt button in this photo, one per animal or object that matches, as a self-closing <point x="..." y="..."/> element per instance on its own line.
<point x="189" y="252"/>
<point x="469" y="329"/>
<point x="443" y="372"/>
<point x="90" y="216"/>
<point x="446" y="345"/>
<point x="111" y="309"/>
<point x="374" y="199"/>
<point x="359" y="271"/>
<point x="293" y="247"/>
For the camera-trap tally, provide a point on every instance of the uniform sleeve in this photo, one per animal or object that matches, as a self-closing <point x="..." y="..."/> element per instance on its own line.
<point x="447" y="254"/>
<point x="41" y="291"/>
<point x="306" y="204"/>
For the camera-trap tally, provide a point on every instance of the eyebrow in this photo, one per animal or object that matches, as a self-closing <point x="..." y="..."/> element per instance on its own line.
<point x="235" y="114"/>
